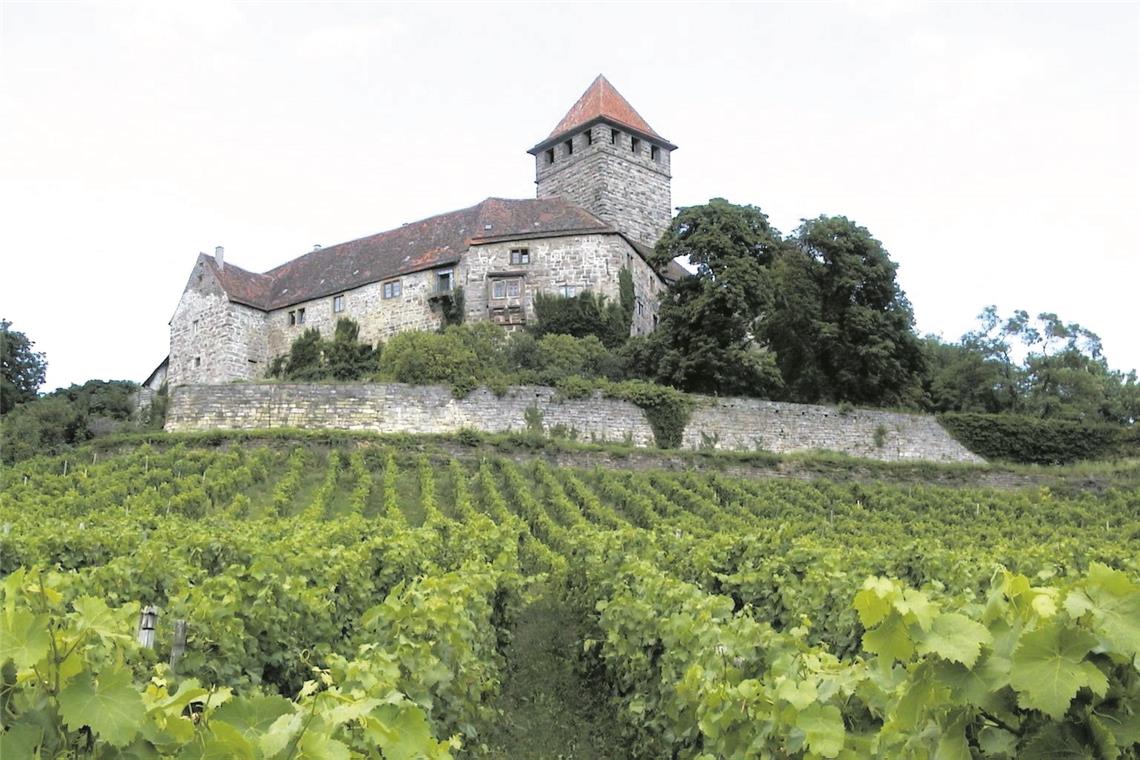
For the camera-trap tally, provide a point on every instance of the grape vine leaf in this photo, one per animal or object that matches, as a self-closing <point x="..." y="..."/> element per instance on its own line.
<point x="401" y="731"/>
<point x="1114" y="602"/>
<point x="25" y="637"/>
<point x="955" y="637"/>
<point x="823" y="728"/>
<point x="1048" y="669"/>
<point x="252" y="716"/>
<point x="890" y="639"/>
<point x="873" y="601"/>
<point x="110" y="705"/>
<point x="225" y="741"/>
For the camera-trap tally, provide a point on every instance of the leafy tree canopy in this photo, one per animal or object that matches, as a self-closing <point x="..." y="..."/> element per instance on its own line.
<point x="21" y="369"/>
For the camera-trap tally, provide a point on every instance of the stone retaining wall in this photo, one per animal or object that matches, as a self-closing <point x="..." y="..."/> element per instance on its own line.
<point x="722" y="423"/>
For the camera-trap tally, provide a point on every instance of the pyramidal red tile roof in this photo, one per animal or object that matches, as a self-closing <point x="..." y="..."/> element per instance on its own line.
<point x="432" y="242"/>
<point x="601" y="101"/>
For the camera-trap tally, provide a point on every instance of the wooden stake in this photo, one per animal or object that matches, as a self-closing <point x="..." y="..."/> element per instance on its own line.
<point x="178" y="647"/>
<point x="148" y="620"/>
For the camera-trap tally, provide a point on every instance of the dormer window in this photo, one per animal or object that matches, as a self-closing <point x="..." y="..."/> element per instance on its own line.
<point x="550" y="156"/>
<point x="635" y="145"/>
<point x="569" y="146"/>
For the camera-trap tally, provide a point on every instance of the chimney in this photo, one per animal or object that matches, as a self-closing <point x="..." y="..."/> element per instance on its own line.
<point x="220" y="256"/>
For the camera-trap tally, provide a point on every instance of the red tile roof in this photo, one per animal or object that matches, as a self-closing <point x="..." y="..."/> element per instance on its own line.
<point x="599" y="102"/>
<point x="432" y="242"/>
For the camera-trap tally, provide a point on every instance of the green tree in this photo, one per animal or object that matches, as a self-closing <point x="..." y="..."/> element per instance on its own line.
<point x="345" y="357"/>
<point x="21" y="369"/>
<point x="706" y="340"/>
<point x="841" y="327"/>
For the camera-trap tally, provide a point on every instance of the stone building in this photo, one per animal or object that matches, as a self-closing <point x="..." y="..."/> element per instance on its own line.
<point x="603" y="200"/>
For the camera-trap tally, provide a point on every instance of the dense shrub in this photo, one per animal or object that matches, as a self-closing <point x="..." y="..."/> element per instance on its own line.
<point x="584" y="315"/>
<point x="424" y="358"/>
<point x="313" y="358"/>
<point x="1032" y="440"/>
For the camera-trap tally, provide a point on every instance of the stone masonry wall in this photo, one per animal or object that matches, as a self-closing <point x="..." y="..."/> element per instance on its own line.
<point x="735" y="424"/>
<point x="379" y="318"/>
<point x="213" y="340"/>
<point x="585" y="262"/>
<point x="398" y="409"/>
<point x="622" y="185"/>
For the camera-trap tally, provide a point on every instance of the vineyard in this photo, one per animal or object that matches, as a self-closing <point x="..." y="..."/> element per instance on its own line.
<point x="368" y="601"/>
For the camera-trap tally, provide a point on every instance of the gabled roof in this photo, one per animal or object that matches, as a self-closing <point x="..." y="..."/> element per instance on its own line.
<point x="601" y="102"/>
<point x="432" y="242"/>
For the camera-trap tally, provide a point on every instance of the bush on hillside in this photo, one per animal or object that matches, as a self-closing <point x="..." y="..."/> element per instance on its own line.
<point x="1031" y="440"/>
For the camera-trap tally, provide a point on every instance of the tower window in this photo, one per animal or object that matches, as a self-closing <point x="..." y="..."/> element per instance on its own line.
<point x="654" y="152"/>
<point x="550" y="156"/>
<point x="197" y="361"/>
<point x="635" y="145"/>
<point x="520" y="256"/>
<point x="569" y="146"/>
<point x="614" y="134"/>
<point x="589" y="137"/>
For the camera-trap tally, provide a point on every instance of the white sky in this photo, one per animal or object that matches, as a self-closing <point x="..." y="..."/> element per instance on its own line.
<point x="993" y="148"/>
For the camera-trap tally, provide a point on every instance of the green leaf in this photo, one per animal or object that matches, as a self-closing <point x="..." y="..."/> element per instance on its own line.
<point x="315" y="746"/>
<point x="955" y="637"/>
<point x="997" y="742"/>
<point x="1048" y="669"/>
<point x="225" y="741"/>
<point x="873" y="601"/>
<point x="890" y="640"/>
<point x="916" y="606"/>
<point x="401" y="731"/>
<point x="25" y="637"/>
<point x="823" y="728"/>
<point x="280" y="733"/>
<point x="97" y="617"/>
<point x="252" y="716"/>
<point x="1114" y="602"/>
<point x="110" y="705"/>
<point x="952" y="744"/>
<point x="20" y="740"/>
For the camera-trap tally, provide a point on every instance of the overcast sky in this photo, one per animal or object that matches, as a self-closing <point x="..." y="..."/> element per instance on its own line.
<point x="993" y="148"/>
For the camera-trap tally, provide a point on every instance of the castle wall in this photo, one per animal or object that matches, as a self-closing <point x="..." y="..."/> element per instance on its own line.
<point x="213" y="340"/>
<point x="626" y="188"/>
<point x="723" y="423"/>
<point x="584" y="262"/>
<point x="379" y="318"/>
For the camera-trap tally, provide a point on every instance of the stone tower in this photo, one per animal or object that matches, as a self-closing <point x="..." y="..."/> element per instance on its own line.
<point x="605" y="158"/>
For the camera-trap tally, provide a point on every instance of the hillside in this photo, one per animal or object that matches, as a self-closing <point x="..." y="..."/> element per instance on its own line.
<point x="356" y="597"/>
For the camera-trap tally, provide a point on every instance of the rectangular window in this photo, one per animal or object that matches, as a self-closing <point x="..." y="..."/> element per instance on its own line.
<point x="292" y="317"/>
<point x="391" y="289"/>
<point x="654" y="152"/>
<point x="443" y="281"/>
<point x="194" y="327"/>
<point x="635" y="145"/>
<point x="567" y="291"/>
<point x="550" y="156"/>
<point x="614" y="136"/>
<point x="300" y="316"/>
<point x="197" y="361"/>
<point x="338" y="304"/>
<point x="520" y="256"/>
<point x="569" y="146"/>
<point x="589" y="137"/>
<point x="506" y="288"/>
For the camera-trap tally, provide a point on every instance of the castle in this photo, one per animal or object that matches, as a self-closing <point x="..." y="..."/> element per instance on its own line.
<point x="603" y="200"/>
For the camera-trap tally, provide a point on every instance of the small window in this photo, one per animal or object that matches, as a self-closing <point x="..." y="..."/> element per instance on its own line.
<point x="300" y="316"/>
<point x="614" y="134"/>
<point x="589" y="137"/>
<point x="391" y="289"/>
<point x="550" y="156"/>
<point x="640" y="307"/>
<point x="635" y="145"/>
<point x="338" y="304"/>
<point x="654" y="152"/>
<point x="443" y="281"/>
<point x="197" y="361"/>
<point x="569" y="146"/>
<point x="520" y="256"/>
<point x="506" y="288"/>
<point x="194" y="326"/>
<point x="292" y="317"/>
<point x="567" y="291"/>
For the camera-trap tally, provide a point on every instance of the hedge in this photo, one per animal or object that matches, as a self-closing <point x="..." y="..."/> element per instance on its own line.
<point x="1031" y="440"/>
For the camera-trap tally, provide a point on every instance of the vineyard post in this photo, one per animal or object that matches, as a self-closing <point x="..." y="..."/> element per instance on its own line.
<point x="148" y="619"/>
<point x="178" y="647"/>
